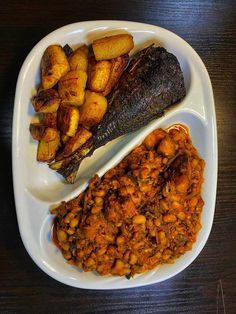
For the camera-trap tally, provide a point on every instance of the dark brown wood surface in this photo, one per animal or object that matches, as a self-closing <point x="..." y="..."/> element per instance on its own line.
<point x="208" y="285"/>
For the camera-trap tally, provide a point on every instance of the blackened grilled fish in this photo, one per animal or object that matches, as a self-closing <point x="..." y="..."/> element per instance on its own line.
<point x="152" y="82"/>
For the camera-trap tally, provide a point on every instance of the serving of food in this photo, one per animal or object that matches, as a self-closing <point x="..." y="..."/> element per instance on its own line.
<point x="144" y="212"/>
<point x="123" y="112"/>
<point x="85" y="118"/>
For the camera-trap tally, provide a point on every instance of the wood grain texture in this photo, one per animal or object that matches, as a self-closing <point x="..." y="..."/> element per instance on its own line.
<point x="209" y="284"/>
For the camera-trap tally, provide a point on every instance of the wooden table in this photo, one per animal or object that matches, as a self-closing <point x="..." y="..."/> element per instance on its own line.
<point x="209" y="284"/>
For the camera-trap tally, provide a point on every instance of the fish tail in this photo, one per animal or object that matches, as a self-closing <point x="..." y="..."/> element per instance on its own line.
<point x="68" y="167"/>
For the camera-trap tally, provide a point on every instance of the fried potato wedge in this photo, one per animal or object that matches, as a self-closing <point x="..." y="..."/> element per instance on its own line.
<point x="93" y="109"/>
<point x="75" y="142"/>
<point x="99" y="73"/>
<point x="46" y="101"/>
<point x="47" y="150"/>
<point x="78" y="60"/>
<point x="112" y="46"/>
<point x="41" y="132"/>
<point x="71" y="87"/>
<point x="68" y="119"/>
<point x="54" y="65"/>
<point x="117" y="68"/>
<point x="49" y="119"/>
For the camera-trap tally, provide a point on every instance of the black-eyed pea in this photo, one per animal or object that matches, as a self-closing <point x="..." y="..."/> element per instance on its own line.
<point x="176" y="205"/>
<point x="67" y="254"/>
<point x="133" y="259"/>
<point x="166" y="255"/>
<point x="164" y="205"/>
<point x="165" y="160"/>
<point x="162" y="238"/>
<point x="182" y="183"/>
<point x="137" y="245"/>
<point x="193" y="201"/>
<point x="157" y="222"/>
<point x="166" y="147"/>
<point x="126" y="271"/>
<point x="145" y="187"/>
<point x="109" y="238"/>
<point x="89" y="262"/>
<point x="106" y="258"/>
<point x="144" y="172"/>
<point x="80" y="254"/>
<point x="152" y="232"/>
<point x="99" y="201"/>
<point x="126" y="255"/>
<point x="194" y="162"/>
<point x="118" y="268"/>
<point x="101" y="251"/>
<point x="65" y="246"/>
<point x="96" y="209"/>
<point x="130" y="189"/>
<point x="70" y="231"/>
<point x="139" y="219"/>
<point x="181" y="215"/>
<point x="169" y="218"/>
<point x="158" y="255"/>
<point x="99" y="193"/>
<point x="74" y="222"/>
<point x="76" y="209"/>
<point x="61" y="235"/>
<point x="120" y="240"/>
<point x="68" y="218"/>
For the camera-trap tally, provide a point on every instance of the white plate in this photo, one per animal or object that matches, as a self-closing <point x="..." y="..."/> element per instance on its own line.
<point x="37" y="188"/>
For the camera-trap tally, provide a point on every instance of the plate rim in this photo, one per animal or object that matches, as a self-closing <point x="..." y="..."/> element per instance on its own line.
<point x="14" y="142"/>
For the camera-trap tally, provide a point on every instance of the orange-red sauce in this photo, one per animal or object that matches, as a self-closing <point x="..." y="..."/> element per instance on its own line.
<point x="144" y="212"/>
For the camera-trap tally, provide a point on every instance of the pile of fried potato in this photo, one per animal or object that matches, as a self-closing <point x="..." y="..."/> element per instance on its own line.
<point x="72" y="96"/>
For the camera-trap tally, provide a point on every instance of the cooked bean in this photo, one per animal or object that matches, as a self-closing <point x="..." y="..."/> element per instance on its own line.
<point x="98" y="201"/>
<point x="169" y="218"/>
<point x="61" y="235"/>
<point x="74" y="222"/>
<point x="181" y="215"/>
<point x="71" y="231"/>
<point x="144" y="212"/>
<point x="120" y="240"/>
<point x="139" y="219"/>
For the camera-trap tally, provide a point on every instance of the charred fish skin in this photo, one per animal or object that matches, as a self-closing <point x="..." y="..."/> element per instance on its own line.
<point x="152" y="82"/>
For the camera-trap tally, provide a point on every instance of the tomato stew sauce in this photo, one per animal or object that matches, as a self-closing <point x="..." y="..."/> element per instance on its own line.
<point x="144" y="212"/>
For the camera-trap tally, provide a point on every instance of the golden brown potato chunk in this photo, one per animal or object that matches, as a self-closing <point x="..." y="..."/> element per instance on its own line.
<point x="54" y="65"/>
<point x="78" y="60"/>
<point x="68" y="119"/>
<point x="71" y="87"/>
<point x="41" y="132"/>
<point x="99" y="73"/>
<point x="112" y="46"/>
<point x="47" y="150"/>
<point x="117" y="68"/>
<point x="75" y="142"/>
<point x="93" y="109"/>
<point x="50" y="119"/>
<point x="46" y="101"/>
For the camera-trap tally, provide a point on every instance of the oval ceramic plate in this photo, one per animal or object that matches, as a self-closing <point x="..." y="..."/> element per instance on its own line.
<point x="37" y="188"/>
